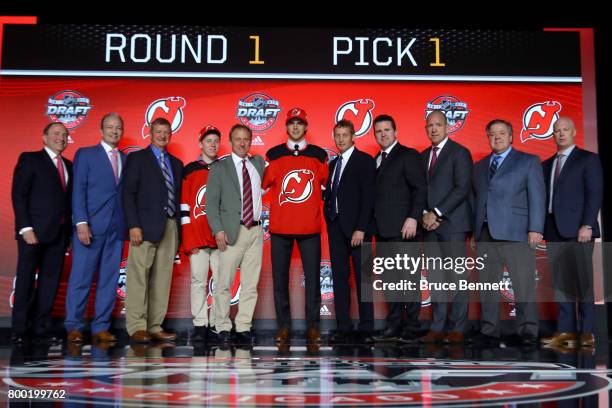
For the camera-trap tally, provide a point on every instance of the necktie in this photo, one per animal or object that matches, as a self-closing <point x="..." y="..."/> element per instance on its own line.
<point x="115" y="163"/>
<point x="383" y="157"/>
<point x="168" y="180"/>
<point x="558" y="166"/>
<point x="247" y="197"/>
<point x="434" y="157"/>
<point x="60" y="170"/>
<point x="334" y="190"/>
<point x="493" y="167"/>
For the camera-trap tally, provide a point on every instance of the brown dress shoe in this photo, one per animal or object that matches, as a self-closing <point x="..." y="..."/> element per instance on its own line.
<point x="432" y="337"/>
<point x="454" y="337"/>
<point x="163" y="336"/>
<point x="313" y="336"/>
<point x="282" y="335"/>
<point x="561" y="340"/>
<point x="104" y="337"/>
<point x="75" y="336"/>
<point x="141" y="336"/>
<point x="587" y="340"/>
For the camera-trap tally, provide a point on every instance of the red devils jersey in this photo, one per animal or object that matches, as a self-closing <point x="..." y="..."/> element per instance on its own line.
<point x="195" y="230"/>
<point x="295" y="189"/>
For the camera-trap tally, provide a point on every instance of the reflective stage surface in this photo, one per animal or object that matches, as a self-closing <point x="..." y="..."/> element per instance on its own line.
<point x="166" y="374"/>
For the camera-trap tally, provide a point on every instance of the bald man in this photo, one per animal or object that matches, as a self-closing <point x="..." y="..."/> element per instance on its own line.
<point x="574" y="185"/>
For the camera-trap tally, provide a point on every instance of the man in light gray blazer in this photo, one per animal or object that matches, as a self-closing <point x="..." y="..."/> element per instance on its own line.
<point x="233" y="207"/>
<point x="509" y="205"/>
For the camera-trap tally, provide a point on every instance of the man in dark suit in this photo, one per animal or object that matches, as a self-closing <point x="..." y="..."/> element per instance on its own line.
<point x="447" y="222"/>
<point x="401" y="192"/>
<point x="349" y="204"/>
<point x="151" y="193"/>
<point x="509" y="206"/>
<point x="99" y="232"/>
<point x="42" y="187"/>
<point x="574" y="182"/>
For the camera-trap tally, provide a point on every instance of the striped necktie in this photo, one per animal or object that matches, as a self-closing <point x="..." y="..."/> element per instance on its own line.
<point x="169" y="185"/>
<point x="247" y="197"/>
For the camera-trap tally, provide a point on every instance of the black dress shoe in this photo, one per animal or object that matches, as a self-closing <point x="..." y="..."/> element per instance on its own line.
<point x="200" y="333"/>
<point x="366" y="337"/>
<point x="529" y="340"/>
<point x="17" y="339"/>
<point x="244" y="337"/>
<point x="341" y="337"/>
<point x="389" y="334"/>
<point x="224" y="337"/>
<point x="481" y="339"/>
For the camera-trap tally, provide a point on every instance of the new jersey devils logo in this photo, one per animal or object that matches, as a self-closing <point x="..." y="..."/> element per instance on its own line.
<point x="170" y="108"/>
<point x="538" y="120"/>
<point x="359" y="112"/>
<point x="296" y="187"/>
<point x="199" y="209"/>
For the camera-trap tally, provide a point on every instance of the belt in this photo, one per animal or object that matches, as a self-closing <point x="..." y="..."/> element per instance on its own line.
<point x="253" y="223"/>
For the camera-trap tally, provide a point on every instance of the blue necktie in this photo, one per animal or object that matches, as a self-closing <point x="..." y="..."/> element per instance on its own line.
<point x="168" y="181"/>
<point x="335" y="184"/>
<point x="493" y="167"/>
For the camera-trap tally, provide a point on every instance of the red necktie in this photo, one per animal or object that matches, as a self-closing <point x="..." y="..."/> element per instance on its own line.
<point x="60" y="170"/>
<point x="434" y="157"/>
<point x="247" y="197"/>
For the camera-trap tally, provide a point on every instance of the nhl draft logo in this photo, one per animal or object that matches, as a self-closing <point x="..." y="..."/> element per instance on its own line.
<point x="359" y="112"/>
<point x="539" y="119"/>
<point x="327" y="281"/>
<point x="508" y="295"/>
<point x="199" y="209"/>
<point x="296" y="186"/>
<point x="170" y="108"/>
<point x="68" y="107"/>
<point x="456" y="111"/>
<point x="425" y="294"/>
<point x="265" y="221"/>
<point x="121" y="280"/>
<point x="258" y="111"/>
<point x="234" y="290"/>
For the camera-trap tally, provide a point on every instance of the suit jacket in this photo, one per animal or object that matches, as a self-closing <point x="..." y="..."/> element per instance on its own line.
<point x="578" y="194"/>
<point x="355" y="193"/>
<point x="401" y="191"/>
<point x="223" y="196"/>
<point x="39" y="201"/>
<point x="449" y="187"/>
<point x="514" y="201"/>
<point x="96" y="198"/>
<point x="145" y="195"/>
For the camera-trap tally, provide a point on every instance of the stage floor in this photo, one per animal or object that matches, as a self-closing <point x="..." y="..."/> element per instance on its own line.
<point x="299" y="375"/>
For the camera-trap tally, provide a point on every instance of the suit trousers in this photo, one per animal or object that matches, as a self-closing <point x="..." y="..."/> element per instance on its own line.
<point x="201" y="262"/>
<point x="310" y="251"/>
<point x="341" y="253"/>
<point x="148" y="281"/>
<point x="245" y="254"/>
<point x="102" y="255"/>
<point x="447" y="245"/>
<point x="571" y="263"/>
<point x="33" y="300"/>
<point x="519" y="259"/>
<point x="402" y="315"/>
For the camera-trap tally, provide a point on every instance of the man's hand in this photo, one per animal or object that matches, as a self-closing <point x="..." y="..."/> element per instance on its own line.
<point x="429" y="219"/>
<point x="194" y="251"/>
<point x="222" y="241"/>
<point x="409" y="228"/>
<point x="534" y="238"/>
<point x="135" y="236"/>
<point x="357" y="238"/>
<point x="30" y="237"/>
<point x="585" y="234"/>
<point x="84" y="234"/>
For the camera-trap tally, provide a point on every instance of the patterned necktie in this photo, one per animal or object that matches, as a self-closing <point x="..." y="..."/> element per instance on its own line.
<point x="434" y="157"/>
<point x="558" y="166"/>
<point x="60" y="170"/>
<point x="247" y="196"/>
<point x="493" y="167"/>
<point x="334" y="190"/>
<point x="168" y="180"/>
<point x="115" y="163"/>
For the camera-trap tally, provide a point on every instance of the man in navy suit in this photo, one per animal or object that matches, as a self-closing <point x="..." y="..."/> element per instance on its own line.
<point x="42" y="186"/>
<point x="509" y="205"/>
<point x="574" y="183"/>
<point x="151" y="193"/>
<point x="99" y="232"/>
<point x="349" y="205"/>
<point x="447" y="222"/>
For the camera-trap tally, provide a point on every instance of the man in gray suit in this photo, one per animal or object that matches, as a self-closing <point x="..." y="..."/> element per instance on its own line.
<point x="509" y="204"/>
<point x="447" y="221"/>
<point x="233" y="207"/>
